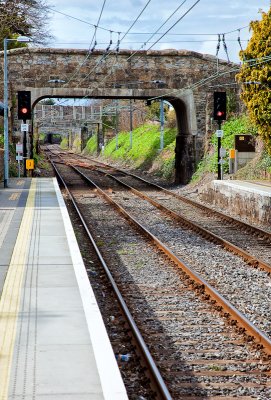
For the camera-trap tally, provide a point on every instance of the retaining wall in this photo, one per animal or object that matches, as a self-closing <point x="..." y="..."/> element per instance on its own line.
<point x="240" y="199"/>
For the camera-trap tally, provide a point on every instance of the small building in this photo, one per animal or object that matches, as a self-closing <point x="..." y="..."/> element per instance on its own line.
<point x="245" y="149"/>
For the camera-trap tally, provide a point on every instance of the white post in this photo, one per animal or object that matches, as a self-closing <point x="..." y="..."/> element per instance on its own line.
<point x="162" y="124"/>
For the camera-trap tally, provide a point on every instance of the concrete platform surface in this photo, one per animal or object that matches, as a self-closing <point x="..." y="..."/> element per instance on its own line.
<point x="53" y="343"/>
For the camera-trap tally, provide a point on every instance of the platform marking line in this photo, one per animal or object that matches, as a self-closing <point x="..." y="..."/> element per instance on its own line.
<point x="110" y="378"/>
<point x="10" y="298"/>
<point x="25" y="356"/>
<point x="14" y="196"/>
<point x="4" y="225"/>
<point x="20" y="183"/>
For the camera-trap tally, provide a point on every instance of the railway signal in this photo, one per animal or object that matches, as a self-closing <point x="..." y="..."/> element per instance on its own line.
<point x="220" y="102"/>
<point x="24" y="105"/>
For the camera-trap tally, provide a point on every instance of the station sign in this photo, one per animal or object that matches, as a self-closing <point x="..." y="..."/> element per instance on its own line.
<point x="19" y="148"/>
<point x="29" y="164"/>
<point x="24" y="127"/>
<point x="222" y="152"/>
<point x="219" y="133"/>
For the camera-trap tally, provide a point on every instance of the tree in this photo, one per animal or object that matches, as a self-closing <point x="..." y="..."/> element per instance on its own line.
<point x="255" y="76"/>
<point x="24" y="17"/>
<point x="154" y="111"/>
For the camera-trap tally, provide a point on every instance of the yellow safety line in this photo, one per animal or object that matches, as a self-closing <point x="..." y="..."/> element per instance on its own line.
<point x="10" y="298"/>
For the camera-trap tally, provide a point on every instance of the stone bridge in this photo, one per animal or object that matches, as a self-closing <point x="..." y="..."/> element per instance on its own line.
<point x="173" y="74"/>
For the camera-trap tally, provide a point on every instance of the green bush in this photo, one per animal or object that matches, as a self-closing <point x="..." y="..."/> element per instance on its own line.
<point x="145" y="151"/>
<point x="91" y="146"/>
<point x="64" y="143"/>
<point x="232" y="127"/>
<point x="145" y="145"/>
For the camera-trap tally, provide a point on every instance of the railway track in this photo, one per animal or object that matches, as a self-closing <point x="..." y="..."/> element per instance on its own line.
<point x="194" y="340"/>
<point x="250" y="242"/>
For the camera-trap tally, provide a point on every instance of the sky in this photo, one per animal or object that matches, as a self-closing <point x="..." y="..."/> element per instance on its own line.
<point x="191" y="24"/>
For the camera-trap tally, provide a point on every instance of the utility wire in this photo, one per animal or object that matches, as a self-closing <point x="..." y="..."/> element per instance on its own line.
<point x="77" y="19"/>
<point x="161" y="37"/>
<point x="171" y="15"/>
<point x="96" y="26"/>
<point x="141" y="33"/>
<point x="225" y="47"/>
<point x="90" y="49"/>
<point x="118" y="43"/>
<point x="252" y="63"/>
<point x="164" y="34"/>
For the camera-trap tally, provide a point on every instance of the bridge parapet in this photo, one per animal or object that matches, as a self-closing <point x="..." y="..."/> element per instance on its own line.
<point x="174" y="74"/>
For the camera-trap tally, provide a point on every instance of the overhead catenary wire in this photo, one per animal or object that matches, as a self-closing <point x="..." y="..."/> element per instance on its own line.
<point x="164" y="34"/>
<point x="202" y="82"/>
<point x="96" y="26"/>
<point x="252" y="62"/>
<point x="147" y="41"/>
<point x="91" y="49"/>
<point x="118" y="43"/>
<point x="178" y="20"/>
<point x="191" y="34"/>
<point x="152" y="35"/>
<point x="141" y="33"/>
<point x="225" y="47"/>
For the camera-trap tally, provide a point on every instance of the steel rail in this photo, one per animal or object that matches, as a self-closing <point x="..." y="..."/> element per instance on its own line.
<point x="255" y="262"/>
<point x="236" y="315"/>
<point x="155" y="374"/>
<point x="194" y="203"/>
<point x="235" y="221"/>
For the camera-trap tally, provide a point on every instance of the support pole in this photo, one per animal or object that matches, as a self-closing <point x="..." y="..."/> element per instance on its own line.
<point x="24" y="152"/>
<point x="219" y="165"/>
<point x="117" y="124"/>
<point x="131" y="124"/>
<point x="6" y="138"/>
<point x="161" y="124"/>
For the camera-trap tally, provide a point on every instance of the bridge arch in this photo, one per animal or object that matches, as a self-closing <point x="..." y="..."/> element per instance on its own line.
<point x="185" y="151"/>
<point x="115" y="77"/>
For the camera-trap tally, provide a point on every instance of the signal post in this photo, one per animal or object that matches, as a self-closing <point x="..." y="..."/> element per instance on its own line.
<point x="220" y="103"/>
<point x="24" y="113"/>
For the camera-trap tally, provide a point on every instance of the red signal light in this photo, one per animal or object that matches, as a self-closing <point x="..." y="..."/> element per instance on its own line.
<point x="24" y="105"/>
<point x="220" y="103"/>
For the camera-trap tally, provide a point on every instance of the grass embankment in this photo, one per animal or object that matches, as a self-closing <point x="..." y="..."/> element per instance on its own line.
<point x="145" y="151"/>
<point x="259" y="168"/>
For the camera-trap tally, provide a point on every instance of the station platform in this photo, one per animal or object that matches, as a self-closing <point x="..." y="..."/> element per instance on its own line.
<point x="250" y="200"/>
<point x="53" y="343"/>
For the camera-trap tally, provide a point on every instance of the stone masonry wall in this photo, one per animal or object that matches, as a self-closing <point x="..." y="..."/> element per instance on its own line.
<point x="173" y="74"/>
<point x="177" y="69"/>
<point x="245" y="202"/>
